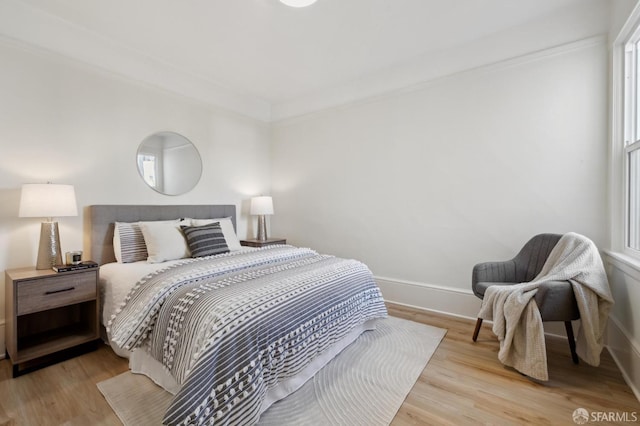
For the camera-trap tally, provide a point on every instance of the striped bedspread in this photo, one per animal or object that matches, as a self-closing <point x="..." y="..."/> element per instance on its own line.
<point x="230" y="327"/>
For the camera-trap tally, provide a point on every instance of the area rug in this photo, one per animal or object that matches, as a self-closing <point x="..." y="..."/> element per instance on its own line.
<point x="364" y="385"/>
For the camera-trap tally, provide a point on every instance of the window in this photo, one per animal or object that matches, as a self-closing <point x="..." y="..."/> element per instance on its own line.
<point x="631" y="151"/>
<point x="633" y="155"/>
<point x="148" y="168"/>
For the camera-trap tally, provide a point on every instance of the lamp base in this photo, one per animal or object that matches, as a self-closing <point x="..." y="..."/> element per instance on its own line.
<point x="49" y="252"/>
<point x="262" y="228"/>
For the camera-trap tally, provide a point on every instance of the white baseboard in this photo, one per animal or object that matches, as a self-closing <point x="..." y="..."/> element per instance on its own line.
<point x="447" y="300"/>
<point x="624" y="353"/>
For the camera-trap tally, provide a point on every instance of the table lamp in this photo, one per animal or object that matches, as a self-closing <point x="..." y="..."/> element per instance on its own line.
<point x="262" y="206"/>
<point x="48" y="201"/>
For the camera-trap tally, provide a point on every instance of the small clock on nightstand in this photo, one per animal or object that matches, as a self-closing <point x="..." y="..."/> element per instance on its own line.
<point x="263" y="243"/>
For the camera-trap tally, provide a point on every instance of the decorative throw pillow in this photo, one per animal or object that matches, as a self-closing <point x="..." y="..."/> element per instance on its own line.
<point x="128" y="243"/>
<point x="164" y="241"/>
<point x="227" y="229"/>
<point x="205" y="240"/>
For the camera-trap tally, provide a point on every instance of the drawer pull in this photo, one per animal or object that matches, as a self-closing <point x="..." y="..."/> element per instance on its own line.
<point x="59" y="291"/>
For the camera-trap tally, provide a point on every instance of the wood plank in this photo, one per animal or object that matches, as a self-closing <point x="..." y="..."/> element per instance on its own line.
<point x="463" y="384"/>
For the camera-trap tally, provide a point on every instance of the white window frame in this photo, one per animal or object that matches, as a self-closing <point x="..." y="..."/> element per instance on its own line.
<point x="625" y="137"/>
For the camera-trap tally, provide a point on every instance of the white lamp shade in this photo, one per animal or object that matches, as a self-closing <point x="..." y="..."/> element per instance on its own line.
<point x="47" y="200"/>
<point x="298" y="3"/>
<point x="261" y="205"/>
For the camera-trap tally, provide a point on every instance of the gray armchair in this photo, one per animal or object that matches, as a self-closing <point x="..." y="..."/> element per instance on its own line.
<point x="555" y="299"/>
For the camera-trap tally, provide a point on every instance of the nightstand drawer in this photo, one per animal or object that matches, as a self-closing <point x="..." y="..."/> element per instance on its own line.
<point x="54" y="291"/>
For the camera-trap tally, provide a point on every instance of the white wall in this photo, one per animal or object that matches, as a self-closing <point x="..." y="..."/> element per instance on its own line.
<point x="64" y="122"/>
<point x="422" y="184"/>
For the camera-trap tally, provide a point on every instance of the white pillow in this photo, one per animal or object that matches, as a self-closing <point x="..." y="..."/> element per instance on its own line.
<point x="165" y="241"/>
<point x="227" y="230"/>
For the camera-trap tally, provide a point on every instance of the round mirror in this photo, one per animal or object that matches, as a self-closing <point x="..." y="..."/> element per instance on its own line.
<point x="169" y="163"/>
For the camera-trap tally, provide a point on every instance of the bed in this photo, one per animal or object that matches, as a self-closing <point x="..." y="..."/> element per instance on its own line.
<point x="227" y="333"/>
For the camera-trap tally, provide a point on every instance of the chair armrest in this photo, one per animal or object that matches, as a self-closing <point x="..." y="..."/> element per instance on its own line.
<point x="495" y="272"/>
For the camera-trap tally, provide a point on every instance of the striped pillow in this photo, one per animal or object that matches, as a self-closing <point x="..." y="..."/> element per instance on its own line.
<point x="227" y="229"/>
<point x="205" y="240"/>
<point x="128" y="243"/>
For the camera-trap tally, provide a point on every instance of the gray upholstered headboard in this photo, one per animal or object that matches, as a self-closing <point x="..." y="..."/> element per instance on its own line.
<point x="101" y="220"/>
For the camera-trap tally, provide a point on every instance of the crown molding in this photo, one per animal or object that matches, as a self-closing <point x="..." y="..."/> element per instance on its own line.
<point x="416" y="77"/>
<point x="561" y="29"/>
<point x="38" y="29"/>
<point x="345" y="96"/>
<point x="35" y="29"/>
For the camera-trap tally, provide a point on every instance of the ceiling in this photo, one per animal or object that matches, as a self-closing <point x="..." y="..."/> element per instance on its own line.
<point x="260" y="52"/>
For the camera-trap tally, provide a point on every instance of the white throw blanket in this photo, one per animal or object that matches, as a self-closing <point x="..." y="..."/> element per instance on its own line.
<point x="516" y="318"/>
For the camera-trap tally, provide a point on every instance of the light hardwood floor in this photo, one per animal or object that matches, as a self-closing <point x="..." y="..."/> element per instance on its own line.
<point x="464" y="383"/>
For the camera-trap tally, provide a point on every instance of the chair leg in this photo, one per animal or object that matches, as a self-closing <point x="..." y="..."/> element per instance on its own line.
<point x="477" y="330"/>
<point x="572" y="341"/>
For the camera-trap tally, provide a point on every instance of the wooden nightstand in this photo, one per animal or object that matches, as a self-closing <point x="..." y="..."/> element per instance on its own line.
<point x="48" y="312"/>
<point x="259" y="243"/>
